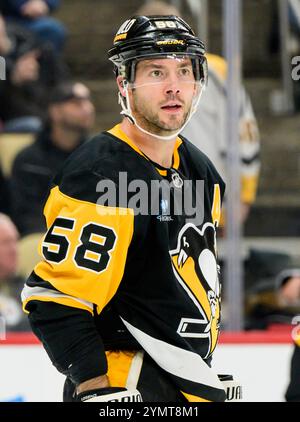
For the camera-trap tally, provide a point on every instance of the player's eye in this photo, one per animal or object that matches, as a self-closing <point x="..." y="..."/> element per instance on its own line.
<point x="156" y="73"/>
<point x="185" y="71"/>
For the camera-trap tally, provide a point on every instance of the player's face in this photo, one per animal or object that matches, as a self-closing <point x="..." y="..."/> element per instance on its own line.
<point x="162" y="94"/>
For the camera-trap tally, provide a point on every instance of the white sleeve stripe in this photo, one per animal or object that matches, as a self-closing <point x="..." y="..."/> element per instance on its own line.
<point x="179" y="362"/>
<point x="29" y="292"/>
<point x="135" y="371"/>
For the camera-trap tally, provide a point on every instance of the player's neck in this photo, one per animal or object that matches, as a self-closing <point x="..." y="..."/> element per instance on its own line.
<point x="159" y="151"/>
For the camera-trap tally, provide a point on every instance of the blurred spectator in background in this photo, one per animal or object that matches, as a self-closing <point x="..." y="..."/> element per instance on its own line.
<point x="34" y="16"/>
<point x="262" y="304"/>
<point x="290" y="296"/>
<point x="207" y="128"/>
<point x="10" y="284"/>
<point x="32" y="72"/>
<point x="276" y="300"/>
<point x="70" y="118"/>
<point x="4" y="194"/>
<point x="293" y="43"/>
<point x="294" y="17"/>
<point x="157" y="7"/>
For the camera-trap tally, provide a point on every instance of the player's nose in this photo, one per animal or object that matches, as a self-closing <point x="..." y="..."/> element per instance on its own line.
<point x="172" y="84"/>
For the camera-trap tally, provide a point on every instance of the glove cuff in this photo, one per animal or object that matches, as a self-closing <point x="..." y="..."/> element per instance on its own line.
<point x="109" y="394"/>
<point x="233" y="389"/>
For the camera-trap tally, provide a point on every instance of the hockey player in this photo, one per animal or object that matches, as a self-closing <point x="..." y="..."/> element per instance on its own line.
<point x="126" y="300"/>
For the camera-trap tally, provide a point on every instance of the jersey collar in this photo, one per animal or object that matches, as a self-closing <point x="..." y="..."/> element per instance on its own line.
<point x="118" y="133"/>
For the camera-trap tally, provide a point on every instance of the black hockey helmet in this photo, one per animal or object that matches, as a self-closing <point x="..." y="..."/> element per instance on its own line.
<point x="143" y="37"/>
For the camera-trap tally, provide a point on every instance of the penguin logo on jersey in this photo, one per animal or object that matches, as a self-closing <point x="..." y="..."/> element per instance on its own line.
<point x="196" y="270"/>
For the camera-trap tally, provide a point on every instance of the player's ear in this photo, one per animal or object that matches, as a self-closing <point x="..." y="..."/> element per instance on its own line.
<point x="121" y="85"/>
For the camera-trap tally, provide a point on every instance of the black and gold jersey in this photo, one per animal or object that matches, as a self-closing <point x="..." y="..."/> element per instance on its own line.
<point x="135" y="256"/>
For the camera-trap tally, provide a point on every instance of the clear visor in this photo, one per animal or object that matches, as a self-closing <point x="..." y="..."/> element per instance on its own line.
<point x="183" y="75"/>
<point x="161" y="69"/>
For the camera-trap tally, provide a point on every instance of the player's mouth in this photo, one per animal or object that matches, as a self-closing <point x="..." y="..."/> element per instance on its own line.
<point x="172" y="108"/>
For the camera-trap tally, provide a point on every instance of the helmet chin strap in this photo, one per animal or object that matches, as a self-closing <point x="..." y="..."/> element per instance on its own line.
<point x="126" y="111"/>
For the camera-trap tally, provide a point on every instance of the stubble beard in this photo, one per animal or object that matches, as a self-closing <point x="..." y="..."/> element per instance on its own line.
<point x="150" y="120"/>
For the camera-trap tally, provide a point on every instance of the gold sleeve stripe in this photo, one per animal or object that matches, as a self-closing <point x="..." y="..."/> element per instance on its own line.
<point x="249" y="188"/>
<point x="70" y="277"/>
<point x="192" y="398"/>
<point x="40" y="293"/>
